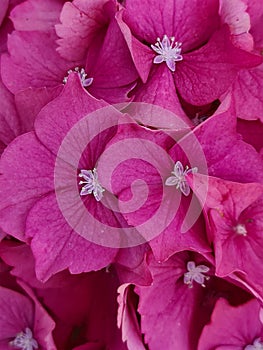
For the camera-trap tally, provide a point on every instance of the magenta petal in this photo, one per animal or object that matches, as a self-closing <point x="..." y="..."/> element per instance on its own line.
<point x="190" y="23"/>
<point x="56" y="246"/>
<point x="9" y="120"/>
<point x="234" y="14"/>
<point x="20" y="315"/>
<point x="43" y="323"/>
<point x="227" y="156"/>
<point x="160" y="90"/>
<point x="142" y="55"/>
<point x="30" y="101"/>
<point x="37" y="15"/>
<point x="127" y="318"/>
<point x="80" y="22"/>
<point x="169" y="309"/>
<point x="205" y="74"/>
<point x="240" y="326"/>
<point x="248" y="87"/>
<point x="132" y="267"/>
<point x="113" y="70"/>
<point x="58" y="117"/>
<point x="23" y="161"/>
<point x="38" y="67"/>
<point x="173" y="240"/>
<point x="255" y="12"/>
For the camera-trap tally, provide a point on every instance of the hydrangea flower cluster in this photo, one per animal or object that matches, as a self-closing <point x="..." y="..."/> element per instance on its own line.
<point x="131" y="174"/>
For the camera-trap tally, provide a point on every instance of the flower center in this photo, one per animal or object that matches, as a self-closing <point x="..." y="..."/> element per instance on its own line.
<point x="178" y="177"/>
<point x="240" y="229"/>
<point x="168" y="50"/>
<point x="195" y="273"/>
<point x="257" y="345"/>
<point x="24" y="341"/>
<point x="82" y="75"/>
<point x="91" y="184"/>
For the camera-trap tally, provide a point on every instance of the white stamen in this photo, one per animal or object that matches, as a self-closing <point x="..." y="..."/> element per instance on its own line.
<point x="257" y="345"/>
<point x="178" y="179"/>
<point x="24" y="341"/>
<point x="195" y="273"/>
<point x="168" y="51"/>
<point x="91" y="184"/>
<point x="82" y="75"/>
<point x="240" y="229"/>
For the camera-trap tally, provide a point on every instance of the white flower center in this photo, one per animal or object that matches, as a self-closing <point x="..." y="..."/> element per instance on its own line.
<point x="257" y="345"/>
<point x="168" y="51"/>
<point x="195" y="273"/>
<point x="24" y="341"/>
<point x="240" y="229"/>
<point x="91" y="184"/>
<point x="82" y="75"/>
<point x="178" y="178"/>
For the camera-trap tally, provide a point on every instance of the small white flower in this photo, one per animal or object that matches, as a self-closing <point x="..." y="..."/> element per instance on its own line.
<point x="24" y="341"/>
<point x="82" y="75"/>
<point x="168" y="50"/>
<point x="240" y="229"/>
<point x="178" y="178"/>
<point x="195" y="273"/>
<point x="91" y="184"/>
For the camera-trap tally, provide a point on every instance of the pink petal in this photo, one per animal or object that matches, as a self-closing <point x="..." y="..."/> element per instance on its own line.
<point x="23" y="160"/>
<point x="127" y="319"/>
<point x="167" y="306"/>
<point x="80" y="22"/>
<point x="235" y="15"/>
<point x="240" y="326"/>
<point x="20" y="315"/>
<point x="58" y="117"/>
<point x="30" y="101"/>
<point x="160" y="90"/>
<point x="9" y="120"/>
<point x="190" y="23"/>
<point x="56" y="246"/>
<point x="211" y="70"/>
<point x="36" y="15"/>
<point x="248" y="87"/>
<point x="113" y="71"/>
<point x="142" y="55"/>
<point x="43" y="323"/>
<point x="227" y="156"/>
<point x="39" y="67"/>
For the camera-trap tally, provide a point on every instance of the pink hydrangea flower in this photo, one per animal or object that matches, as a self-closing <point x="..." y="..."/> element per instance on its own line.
<point x="75" y="301"/>
<point x="169" y="186"/>
<point x="179" y="302"/>
<point x="43" y="67"/>
<point x="234" y="213"/>
<point x="41" y="197"/>
<point x="189" y="41"/>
